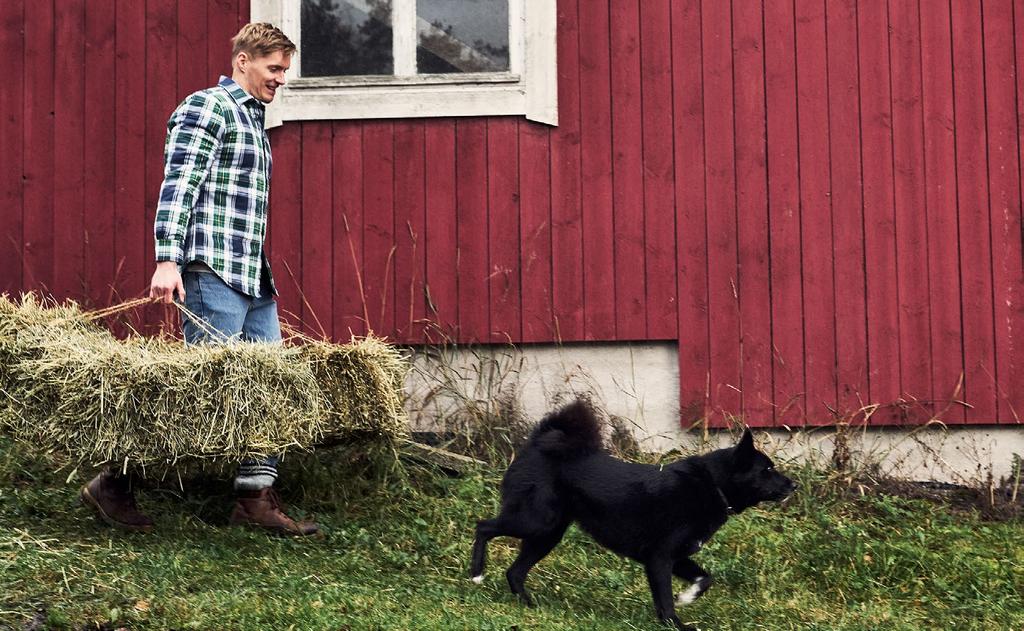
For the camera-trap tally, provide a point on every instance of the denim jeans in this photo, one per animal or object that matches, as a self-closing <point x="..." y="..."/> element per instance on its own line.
<point x="228" y="314"/>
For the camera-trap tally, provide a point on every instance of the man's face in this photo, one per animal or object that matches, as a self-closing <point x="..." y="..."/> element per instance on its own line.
<point x="262" y="76"/>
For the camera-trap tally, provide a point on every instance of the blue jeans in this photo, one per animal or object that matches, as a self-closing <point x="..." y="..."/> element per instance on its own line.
<point x="228" y="313"/>
<point x="231" y="315"/>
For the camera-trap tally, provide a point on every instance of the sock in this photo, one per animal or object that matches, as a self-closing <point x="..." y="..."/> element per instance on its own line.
<point x="254" y="475"/>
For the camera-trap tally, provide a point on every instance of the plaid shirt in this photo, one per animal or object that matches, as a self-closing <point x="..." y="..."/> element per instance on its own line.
<point x="213" y="201"/>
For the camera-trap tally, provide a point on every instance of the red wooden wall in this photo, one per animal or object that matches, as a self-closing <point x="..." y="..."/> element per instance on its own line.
<point x="820" y="199"/>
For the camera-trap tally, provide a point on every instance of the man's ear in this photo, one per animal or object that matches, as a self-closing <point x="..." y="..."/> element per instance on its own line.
<point x="241" y="59"/>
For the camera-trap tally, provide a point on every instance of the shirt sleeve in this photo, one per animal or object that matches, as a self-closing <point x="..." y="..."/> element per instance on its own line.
<point x="193" y="137"/>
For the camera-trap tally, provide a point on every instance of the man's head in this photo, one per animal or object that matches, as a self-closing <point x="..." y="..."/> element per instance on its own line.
<point x="260" y="55"/>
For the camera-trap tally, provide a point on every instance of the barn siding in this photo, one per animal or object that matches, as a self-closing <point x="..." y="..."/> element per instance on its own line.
<point x="820" y="199"/>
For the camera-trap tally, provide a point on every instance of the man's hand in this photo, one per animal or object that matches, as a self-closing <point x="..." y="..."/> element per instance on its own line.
<point x="167" y="282"/>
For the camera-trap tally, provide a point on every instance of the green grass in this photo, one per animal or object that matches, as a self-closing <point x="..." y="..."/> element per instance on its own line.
<point x="395" y="557"/>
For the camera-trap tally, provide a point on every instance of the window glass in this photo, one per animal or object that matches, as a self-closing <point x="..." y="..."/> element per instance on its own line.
<point x="346" y="37"/>
<point x="461" y="36"/>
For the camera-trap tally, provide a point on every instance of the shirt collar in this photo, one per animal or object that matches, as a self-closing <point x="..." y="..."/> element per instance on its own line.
<point x="238" y="93"/>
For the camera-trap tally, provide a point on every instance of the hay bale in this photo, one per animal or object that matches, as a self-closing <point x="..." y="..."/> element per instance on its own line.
<point x="362" y="384"/>
<point x="67" y="384"/>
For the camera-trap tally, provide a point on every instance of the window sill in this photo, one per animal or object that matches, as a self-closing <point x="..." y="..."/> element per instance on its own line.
<point x="327" y="83"/>
<point x="396" y="101"/>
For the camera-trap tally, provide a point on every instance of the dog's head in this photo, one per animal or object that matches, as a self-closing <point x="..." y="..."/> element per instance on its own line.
<point x="751" y="477"/>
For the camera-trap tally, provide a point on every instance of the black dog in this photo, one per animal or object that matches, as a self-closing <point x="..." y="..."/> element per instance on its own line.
<point x="658" y="516"/>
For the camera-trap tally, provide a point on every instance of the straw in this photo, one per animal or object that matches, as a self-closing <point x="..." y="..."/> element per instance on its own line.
<point x="68" y="385"/>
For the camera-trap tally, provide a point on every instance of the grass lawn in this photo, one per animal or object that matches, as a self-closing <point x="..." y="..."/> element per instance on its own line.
<point x="395" y="557"/>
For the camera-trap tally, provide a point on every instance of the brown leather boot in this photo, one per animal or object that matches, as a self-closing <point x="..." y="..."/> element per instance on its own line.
<point x="111" y="497"/>
<point x="263" y="509"/>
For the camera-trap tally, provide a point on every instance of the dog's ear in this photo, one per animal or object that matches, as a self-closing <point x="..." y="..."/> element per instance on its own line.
<point x="745" y="448"/>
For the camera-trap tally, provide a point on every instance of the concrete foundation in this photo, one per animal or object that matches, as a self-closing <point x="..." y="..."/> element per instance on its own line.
<point x="639" y="384"/>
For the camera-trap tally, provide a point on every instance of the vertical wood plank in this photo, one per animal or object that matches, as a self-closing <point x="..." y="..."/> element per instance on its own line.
<point x="720" y="168"/>
<point x="911" y="215"/>
<point x="974" y="220"/>
<point x="244" y="14"/>
<point x="879" y="215"/>
<point x="566" y="213"/>
<point x="596" y="173"/>
<point x="379" y="225"/>
<point x="39" y="147"/>
<point x="222" y="24"/>
<point x="99" y="164"/>
<point x="285" y="215"/>
<point x="12" y="107"/>
<point x="815" y="212"/>
<point x="627" y="171"/>
<point x="941" y="202"/>
<point x="659" y="193"/>
<point x="135" y="235"/>
<point x="441" y="285"/>
<point x="471" y="200"/>
<point x="503" y="230"/>
<point x="752" y="213"/>
<point x="192" y="37"/>
<point x="317" y="229"/>
<point x="1018" y="22"/>
<point x="147" y="110"/>
<point x="691" y="227"/>
<point x="784" y="213"/>
<point x="535" y="232"/>
<point x="69" y="106"/>
<point x="1003" y="137"/>
<point x="350" y="307"/>
<point x="410" y="231"/>
<point x="847" y="209"/>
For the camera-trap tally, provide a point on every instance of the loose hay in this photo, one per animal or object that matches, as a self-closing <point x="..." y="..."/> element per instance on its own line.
<point x="67" y="384"/>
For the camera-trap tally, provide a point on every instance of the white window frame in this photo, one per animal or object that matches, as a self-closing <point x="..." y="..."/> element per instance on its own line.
<point x="529" y="89"/>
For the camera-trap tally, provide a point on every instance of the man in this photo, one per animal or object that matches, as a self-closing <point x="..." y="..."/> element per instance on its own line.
<point x="211" y="222"/>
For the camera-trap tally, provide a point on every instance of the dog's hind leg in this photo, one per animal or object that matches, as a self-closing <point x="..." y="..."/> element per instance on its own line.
<point x="486" y="529"/>
<point x="501" y="526"/>
<point x="688" y="570"/>
<point x="525" y="513"/>
<point x="531" y="551"/>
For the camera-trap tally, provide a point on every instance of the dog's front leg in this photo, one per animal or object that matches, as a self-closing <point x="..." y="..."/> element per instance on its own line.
<point x="688" y="570"/>
<point x="659" y="577"/>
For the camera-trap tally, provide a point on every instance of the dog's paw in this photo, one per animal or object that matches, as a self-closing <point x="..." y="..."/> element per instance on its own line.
<point x="690" y="595"/>
<point x="695" y="591"/>
<point x="478" y="579"/>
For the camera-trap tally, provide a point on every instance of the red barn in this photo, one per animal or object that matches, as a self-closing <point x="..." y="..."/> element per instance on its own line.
<point x="819" y="201"/>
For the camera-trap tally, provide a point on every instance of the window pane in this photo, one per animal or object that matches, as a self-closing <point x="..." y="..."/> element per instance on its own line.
<point x="461" y="36"/>
<point x="346" y="37"/>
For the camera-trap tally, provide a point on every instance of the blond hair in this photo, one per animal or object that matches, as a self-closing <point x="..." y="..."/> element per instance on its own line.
<point x="259" y="39"/>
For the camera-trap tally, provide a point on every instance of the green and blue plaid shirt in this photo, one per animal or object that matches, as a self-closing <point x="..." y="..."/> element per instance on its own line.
<point x="213" y="201"/>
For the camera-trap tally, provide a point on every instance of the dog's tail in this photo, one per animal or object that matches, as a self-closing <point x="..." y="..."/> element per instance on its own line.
<point x="569" y="432"/>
